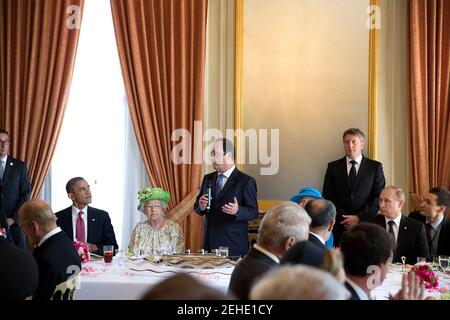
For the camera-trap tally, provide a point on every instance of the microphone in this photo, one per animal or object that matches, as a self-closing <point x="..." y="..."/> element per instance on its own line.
<point x="208" y="190"/>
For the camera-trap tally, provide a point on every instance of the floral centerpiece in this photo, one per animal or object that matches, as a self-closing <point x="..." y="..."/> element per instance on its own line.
<point x="426" y="274"/>
<point x="82" y="250"/>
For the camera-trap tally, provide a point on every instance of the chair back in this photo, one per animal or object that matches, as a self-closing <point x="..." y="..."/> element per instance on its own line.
<point x="66" y="290"/>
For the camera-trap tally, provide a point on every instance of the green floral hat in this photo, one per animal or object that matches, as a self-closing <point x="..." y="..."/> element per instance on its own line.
<point x="148" y="194"/>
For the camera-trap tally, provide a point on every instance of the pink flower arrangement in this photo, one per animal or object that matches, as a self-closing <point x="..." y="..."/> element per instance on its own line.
<point x="82" y="250"/>
<point x="427" y="275"/>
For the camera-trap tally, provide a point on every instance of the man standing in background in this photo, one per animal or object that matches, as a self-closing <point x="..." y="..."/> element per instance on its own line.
<point x="353" y="183"/>
<point x="15" y="189"/>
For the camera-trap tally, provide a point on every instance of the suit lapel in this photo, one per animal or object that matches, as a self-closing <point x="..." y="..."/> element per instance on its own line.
<point x="231" y="180"/>
<point x="91" y="224"/>
<point x="343" y="172"/>
<point x="361" y="171"/>
<point x="401" y="233"/>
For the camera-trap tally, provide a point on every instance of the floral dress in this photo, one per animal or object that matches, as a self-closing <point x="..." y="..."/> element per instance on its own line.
<point x="168" y="238"/>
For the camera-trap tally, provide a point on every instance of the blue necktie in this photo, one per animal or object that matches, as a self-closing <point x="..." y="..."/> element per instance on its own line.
<point x="219" y="183"/>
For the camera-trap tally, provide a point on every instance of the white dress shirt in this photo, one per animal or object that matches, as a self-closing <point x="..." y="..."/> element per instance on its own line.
<point x="360" y="292"/>
<point x="48" y="235"/>
<point x="357" y="165"/>
<point x="267" y="253"/>
<point x="3" y="164"/>
<point x="318" y="237"/>
<point x="226" y="175"/>
<point x="75" y="211"/>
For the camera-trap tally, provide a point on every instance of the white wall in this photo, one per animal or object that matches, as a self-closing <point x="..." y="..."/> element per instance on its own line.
<point x="305" y="73"/>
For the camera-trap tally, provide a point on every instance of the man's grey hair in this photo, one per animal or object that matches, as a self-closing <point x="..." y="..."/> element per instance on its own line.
<point x="39" y="211"/>
<point x="298" y="282"/>
<point x="399" y="193"/>
<point x="280" y="222"/>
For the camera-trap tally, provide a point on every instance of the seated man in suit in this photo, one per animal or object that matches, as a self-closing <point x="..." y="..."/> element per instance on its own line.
<point x="304" y="196"/>
<point x="366" y="249"/>
<point x="437" y="225"/>
<point x="323" y="215"/>
<point x="281" y="227"/>
<point x="18" y="272"/>
<point x="233" y="202"/>
<point x="353" y="183"/>
<point x="408" y="234"/>
<point x="83" y="223"/>
<point x="55" y="254"/>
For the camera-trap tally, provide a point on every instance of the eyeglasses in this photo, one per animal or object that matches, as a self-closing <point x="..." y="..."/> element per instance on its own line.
<point x="153" y="207"/>
<point x="5" y="142"/>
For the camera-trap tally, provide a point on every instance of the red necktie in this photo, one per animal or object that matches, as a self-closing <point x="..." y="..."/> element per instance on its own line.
<point x="80" y="233"/>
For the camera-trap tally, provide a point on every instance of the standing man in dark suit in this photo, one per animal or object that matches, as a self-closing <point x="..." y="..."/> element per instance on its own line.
<point x="83" y="223"/>
<point x="55" y="254"/>
<point x="408" y="234"/>
<point x="18" y="272"/>
<point x="233" y="202"/>
<point x="353" y="184"/>
<point x="15" y="189"/>
<point x="437" y="225"/>
<point x="281" y="227"/>
<point x="323" y="216"/>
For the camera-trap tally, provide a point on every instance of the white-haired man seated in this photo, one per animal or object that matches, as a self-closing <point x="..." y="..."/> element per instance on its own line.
<point x="281" y="227"/>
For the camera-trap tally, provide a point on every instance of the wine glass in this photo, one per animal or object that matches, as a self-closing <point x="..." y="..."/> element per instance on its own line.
<point x="443" y="262"/>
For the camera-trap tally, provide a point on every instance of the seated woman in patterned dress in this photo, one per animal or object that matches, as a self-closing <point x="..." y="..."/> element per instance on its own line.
<point x="157" y="234"/>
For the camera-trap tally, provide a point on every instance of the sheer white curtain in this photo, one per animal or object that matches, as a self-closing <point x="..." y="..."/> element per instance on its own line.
<point x="97" y="140"/>
<point x="135" y="177"/>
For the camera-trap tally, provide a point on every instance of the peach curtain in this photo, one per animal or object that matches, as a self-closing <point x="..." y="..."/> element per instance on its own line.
<point x="162" y="46"/>
<point x="38" y="43"/>
<point x="429" y="97"/>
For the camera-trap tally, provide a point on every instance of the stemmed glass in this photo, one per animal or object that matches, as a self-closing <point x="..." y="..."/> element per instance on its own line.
<point x="443" y="262"/>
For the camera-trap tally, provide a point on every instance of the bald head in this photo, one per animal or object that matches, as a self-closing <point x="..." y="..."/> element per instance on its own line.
<point x="38" y="211"/>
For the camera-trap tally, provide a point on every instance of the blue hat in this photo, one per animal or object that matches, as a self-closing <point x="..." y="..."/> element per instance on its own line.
<point x="306" y="192"/>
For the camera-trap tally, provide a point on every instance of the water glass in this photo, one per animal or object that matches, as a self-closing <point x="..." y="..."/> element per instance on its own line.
<point x="443" y="262"/>
<point x="223" y="251"/>
<point x="421" y="260"/>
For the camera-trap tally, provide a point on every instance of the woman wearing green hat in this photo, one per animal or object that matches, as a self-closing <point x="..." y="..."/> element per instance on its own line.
<point x="157" y="234"/>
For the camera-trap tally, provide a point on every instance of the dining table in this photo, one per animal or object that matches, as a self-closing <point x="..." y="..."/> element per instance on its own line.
<point x="130" y="279"/>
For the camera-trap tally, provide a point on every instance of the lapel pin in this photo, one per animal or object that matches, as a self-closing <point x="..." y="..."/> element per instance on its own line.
<point x="11" y="164"/>
<point x="92" y="219"/>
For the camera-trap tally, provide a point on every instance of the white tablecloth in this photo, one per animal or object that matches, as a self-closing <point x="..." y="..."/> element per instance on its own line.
<point x="392" y="284"/>
<point x="118" y="280"/>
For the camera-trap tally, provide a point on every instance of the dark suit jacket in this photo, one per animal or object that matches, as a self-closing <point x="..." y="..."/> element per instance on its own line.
<point x="99" y="228"/>
<point x="312" y="238"/>
<point x="247" y="271"/>
<point x="18" y="272"/>
<point x="221" y="229"/>
<point x="57" y="260"/>
<point x="305" y="252"/>
<point x="444" y="235"/>
<point x="15" y="189"/>
<point x="411" y="241"/>
<point x="352" y="291"/>
<point x="362" y="200"/>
